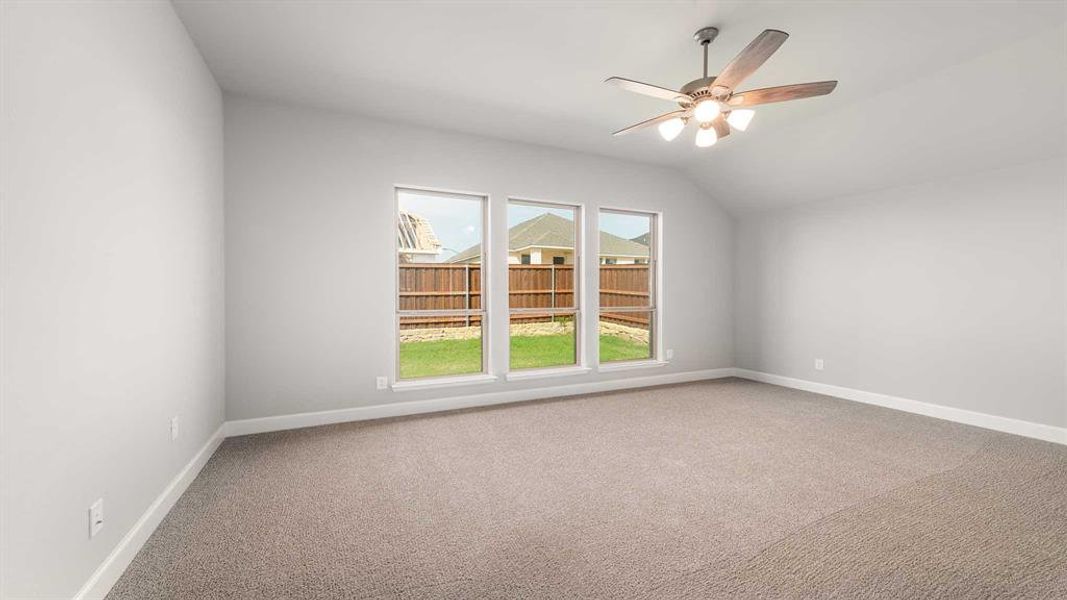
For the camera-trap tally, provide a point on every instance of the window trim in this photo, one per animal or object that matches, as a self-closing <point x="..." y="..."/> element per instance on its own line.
<point x="546" y="372"/>
<point x="581" y="363"/>
<point x="437" y="381"/>
<point x="655" y="262"/>
<point x="630" y="365"/>
<point x="423" y="383"/>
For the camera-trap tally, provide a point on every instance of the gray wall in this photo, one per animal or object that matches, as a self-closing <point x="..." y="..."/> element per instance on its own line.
<point x="309" y="244"/>
<point x="112" y="276"/>
<point x="950" y="292"/>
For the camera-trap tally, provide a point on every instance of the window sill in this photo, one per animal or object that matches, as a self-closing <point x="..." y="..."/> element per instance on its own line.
<point x="630" y="365"/>
<point x="440" y="382"/>
<point x="544" y="373"/>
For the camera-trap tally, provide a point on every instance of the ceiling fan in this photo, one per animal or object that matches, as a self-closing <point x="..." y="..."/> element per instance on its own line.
<point x="712" y="101"/>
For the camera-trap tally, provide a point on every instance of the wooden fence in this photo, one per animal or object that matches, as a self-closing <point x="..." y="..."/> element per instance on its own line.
<point x="624" y="285"/>
<point x="431" y="286"/>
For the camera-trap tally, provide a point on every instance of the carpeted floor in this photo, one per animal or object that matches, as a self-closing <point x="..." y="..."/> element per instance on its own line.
<point x="723" y="489"/>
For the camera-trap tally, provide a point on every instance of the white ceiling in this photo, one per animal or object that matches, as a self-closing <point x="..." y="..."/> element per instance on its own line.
<point x="926" y="89"/>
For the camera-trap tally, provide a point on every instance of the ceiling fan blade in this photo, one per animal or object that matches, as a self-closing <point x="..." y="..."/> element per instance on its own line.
<point x="646" y="89"/>
<point x="782" y="93"/>
<point x="750" y="59"/>
<point x="722" y="128"/>
<point x="652" y="121"/>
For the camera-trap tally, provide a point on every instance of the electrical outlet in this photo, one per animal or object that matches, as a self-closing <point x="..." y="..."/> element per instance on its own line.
<point x="668" y="353"/>
<point x="96" y="517"/>
<point x="382" y="382"/>
<point x="818" y="364"/>
<point x="173" y="428"/>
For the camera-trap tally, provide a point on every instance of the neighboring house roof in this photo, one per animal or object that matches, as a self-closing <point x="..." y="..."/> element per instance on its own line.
<point x="415" y="235"/>
<point x="613" y="245"/>
<point x="553" y="231"/>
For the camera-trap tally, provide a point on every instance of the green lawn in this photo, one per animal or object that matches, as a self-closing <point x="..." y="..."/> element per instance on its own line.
<point x="613" y="348"/>
<point x="456" y="357"/>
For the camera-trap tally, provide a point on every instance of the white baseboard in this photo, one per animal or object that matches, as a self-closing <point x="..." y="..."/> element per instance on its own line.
<point x="105" y="576"/>
<point x="1039" y="431"/>
<point x="397" y="409"/>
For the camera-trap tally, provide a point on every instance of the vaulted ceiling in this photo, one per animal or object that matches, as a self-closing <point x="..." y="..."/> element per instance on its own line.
<point x="927" y="89"/>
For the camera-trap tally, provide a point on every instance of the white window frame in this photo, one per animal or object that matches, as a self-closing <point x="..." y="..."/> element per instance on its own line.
<point x="580" y="365"/>
<point x="655" y="287"/>
<point x="485" y="375"/>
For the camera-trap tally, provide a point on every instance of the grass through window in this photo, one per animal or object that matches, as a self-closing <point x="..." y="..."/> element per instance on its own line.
<point x="540" y="351"/>
<point x="441" y="358"/>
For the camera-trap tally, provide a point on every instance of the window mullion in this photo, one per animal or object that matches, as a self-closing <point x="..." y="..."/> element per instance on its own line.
<point x="604" y="309"/>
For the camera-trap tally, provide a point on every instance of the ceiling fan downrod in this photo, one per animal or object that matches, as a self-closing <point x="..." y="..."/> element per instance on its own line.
<point x="704" y="37"/>
<point x="701" y="87"/>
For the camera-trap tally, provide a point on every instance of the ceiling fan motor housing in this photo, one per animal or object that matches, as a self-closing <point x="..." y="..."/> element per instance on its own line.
<point x="698" y="87"/>
<point x="705" y="87"/>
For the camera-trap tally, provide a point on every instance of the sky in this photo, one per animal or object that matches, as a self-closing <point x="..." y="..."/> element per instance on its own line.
<point x="457" y="221"/>
<point x="517" y="213"/>
<point x="624" y="226"/>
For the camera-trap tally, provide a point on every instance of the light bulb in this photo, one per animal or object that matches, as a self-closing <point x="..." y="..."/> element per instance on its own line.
<point x="706" y="110"/>
<point x="739" y="119"/>
<point x="671" y="128"/>
<point x="706" y="136"/>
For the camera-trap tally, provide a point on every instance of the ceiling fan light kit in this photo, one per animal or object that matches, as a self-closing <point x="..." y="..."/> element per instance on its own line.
<point x="740" y="118"/>
<point x="706" y="136"/>
<point x="671" y="128"/>
<point x="706" y="110"/>
<point x="712" y="101"/>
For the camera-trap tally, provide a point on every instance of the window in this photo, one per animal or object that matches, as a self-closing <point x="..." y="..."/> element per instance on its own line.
<point x="440" y="304"/>
<point x="627" y="285"/>
<point x="543" y="294"/>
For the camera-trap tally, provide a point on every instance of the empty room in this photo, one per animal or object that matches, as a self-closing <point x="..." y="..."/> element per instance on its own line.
<point x="340" y="299"/>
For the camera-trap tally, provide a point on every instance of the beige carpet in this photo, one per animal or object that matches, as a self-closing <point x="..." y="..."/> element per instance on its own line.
<point x="724" y="489"/>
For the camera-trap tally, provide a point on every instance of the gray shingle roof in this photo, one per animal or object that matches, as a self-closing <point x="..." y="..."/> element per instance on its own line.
<point x="549" y="230"/>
